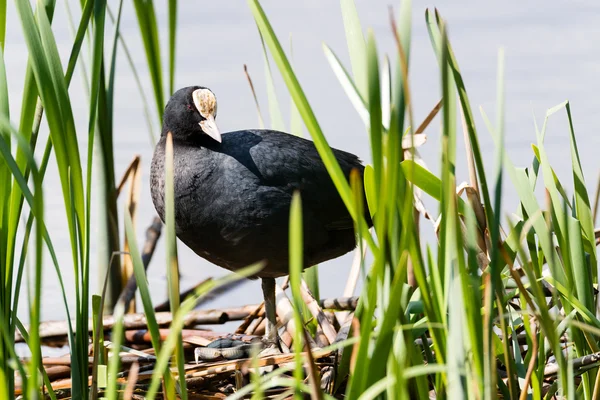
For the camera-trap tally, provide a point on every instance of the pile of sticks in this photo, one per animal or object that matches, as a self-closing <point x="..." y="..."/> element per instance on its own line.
<point x="213" y="379"/>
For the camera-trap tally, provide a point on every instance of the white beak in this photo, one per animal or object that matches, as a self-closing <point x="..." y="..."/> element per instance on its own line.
<point x="209" y="126"/>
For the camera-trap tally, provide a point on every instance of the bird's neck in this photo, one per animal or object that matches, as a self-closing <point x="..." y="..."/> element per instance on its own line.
<point x="190" y="139"/>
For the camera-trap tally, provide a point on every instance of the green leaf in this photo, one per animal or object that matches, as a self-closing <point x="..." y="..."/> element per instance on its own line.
<point x="348" y="85"/>
<point x="140" y="277"/>
<point x="296" y="126"/>
<point x="426" y="181"/>
<point x="172" y="42"/>
<point x="582" y="271"/>
<point x="356" y="45"/>
<point x="582" y="200"/>
<point x="374" y="96"/>
<point x="178" y="321"/>
<point x="296" y="247"/>
<point x="144" y="10"/>
<point x="370" y="191"/>
<point x="172" y="263"/>
<point x="274" y="110"/>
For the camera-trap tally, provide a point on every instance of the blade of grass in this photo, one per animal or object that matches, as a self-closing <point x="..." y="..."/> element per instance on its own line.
<point x="352" y="92"/>
<point x="146" y="16"/>
<point x="434" y="33"/>
<point x="140" y="277"/>
<point x="356" y="44"/>
<point x="261" y="123"/>
<point x="173" y="265"/>
<point x="108" y="232"/>
<point x="274" y="109"/>
<point x="172" y="42"/>
<point x="374" y="96"/>
<point x="582" y="200"/>
<point x="296" y="247"/>
<point x="178" y="321"/>
<point x="295" y="118"/>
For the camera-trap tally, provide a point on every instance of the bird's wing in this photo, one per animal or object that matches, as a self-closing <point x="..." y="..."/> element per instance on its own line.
<point x="293" y="163"/>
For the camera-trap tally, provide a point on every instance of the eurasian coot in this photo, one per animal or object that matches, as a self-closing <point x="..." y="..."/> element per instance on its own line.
<point x="233" y="193"/>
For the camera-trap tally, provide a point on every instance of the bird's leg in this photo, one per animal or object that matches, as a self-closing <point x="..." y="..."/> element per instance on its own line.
<point x="268" y="287"/>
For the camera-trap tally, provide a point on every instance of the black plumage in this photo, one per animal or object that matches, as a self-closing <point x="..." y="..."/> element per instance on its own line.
<point x="232" y="198"/>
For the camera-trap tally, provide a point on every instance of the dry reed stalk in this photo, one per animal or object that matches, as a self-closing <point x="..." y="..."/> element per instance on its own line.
<point x="285" y="313"/>
<point x="152" y="235"/>
<point x="434" y="111"/>
<point x="248" y="320"/>
<point x="359" y="256"/>
<point x="58" y="372"/>
<point x="55" y="329"/>
<point x="143" y="336"/>
<point x="66" y="362"/>
<point x="325" y="332"/>
<point x="311" y="368"/>
<point x="355" y="324"/>
<point x="131" y="381"/>
<point x="261" y="122"/>
<point x="219" y="367"/>
<point x="257" y="325"/>
<point x="132" y="176"/>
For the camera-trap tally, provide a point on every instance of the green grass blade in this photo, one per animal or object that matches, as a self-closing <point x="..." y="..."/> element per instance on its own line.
<point x="435" y="36"/>
<point x="37" y="207"/>
<point x="2" y="24"/>
<point x="582" y="273"/>
<point x="5" y="195"/>
<point x="172" y="42"/>
<point x="457" y="383"/>
<point x="138" y="83"/>
<point x="404" y="27"/>
<point x="378" y="388"/>
<point x="356" y="45"/>
<point x="144" y="10"/>
<point x="274" y="109"/>
<point x="449" y="259"/>
<point x="114" y="362"/>
<point x="296" y="247"/>
<point x="108" y="238"/>
<point x="172" y="263"/>
<point x="140" y="277"/>
<point x="179" y="320"/>
<point x="96" y="84"/>
<point x="386" y="92"/>
<point x="520" y="181"/>
<point x="582" y="200"/>
<point x="311" y="277"/>
<point x="374" y="96"/>
<point x="4" y="103"/>
<point x="559" y="187"/>
<point x="426" y="181"/>
<point x="296" y="126"/>
<point x="348" y="85"/>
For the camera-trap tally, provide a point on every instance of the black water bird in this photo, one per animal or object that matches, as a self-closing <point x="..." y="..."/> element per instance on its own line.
<point x="233" y="193"/>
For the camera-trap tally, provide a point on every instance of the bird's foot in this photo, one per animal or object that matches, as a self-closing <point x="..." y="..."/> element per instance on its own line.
<point x="271" y="347"/>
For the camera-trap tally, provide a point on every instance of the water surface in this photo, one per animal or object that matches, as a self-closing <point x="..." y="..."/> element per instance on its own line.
<point x="551" y="56"/>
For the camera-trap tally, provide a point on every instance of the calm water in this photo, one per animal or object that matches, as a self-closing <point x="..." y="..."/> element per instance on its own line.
<point x="551" y="55"/>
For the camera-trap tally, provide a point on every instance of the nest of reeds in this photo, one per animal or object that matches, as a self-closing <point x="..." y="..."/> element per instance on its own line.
<point x="328" y="323"/>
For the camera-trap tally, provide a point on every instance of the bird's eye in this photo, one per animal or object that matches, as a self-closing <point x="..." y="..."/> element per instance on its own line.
<point x="190" y="108"/>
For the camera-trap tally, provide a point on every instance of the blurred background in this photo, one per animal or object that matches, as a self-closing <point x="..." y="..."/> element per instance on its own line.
<point x="551" y="53"/>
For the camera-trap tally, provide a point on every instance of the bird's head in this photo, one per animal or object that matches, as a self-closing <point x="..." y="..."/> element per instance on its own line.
<point x="192" y="111"/>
